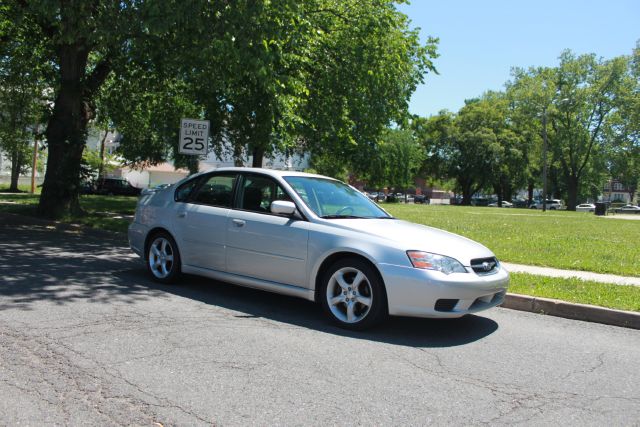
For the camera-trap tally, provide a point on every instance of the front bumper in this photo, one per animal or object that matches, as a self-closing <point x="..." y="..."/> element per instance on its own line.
<point x="426" y="293"/>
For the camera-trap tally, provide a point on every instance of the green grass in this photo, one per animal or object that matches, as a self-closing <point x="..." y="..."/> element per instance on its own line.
<point x="559" y="239"/>
<point x="24" y="188"/>
<point x="102" y="212"/>
<point x="575" y="290"/>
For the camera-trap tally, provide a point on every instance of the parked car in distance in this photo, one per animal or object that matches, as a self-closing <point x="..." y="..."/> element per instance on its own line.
<point x="519" y="203"/>
<point x="116" y="187"/>
<point x="505" y="204"/>
<point x="586" y="207"/>
<point x="628" y="209"/>
<point x="420" y="198"/>
<point x="552" y="204"/>
<point x="316" y="238"/>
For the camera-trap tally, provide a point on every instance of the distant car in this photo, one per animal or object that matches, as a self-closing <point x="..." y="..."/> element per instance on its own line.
<point x="420" y="198"/>
<point x="505" y="204"/>
<point x="586" y="207"/>
<point x="116" y="187"/>
<point x="316" y="238"/>
<point x="519" y="203"/>
<point x="552" y="204"/>
<point x="629" y="209"/>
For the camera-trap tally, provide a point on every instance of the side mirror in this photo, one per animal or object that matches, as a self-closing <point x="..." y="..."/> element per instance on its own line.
<point x="283" y="207"/>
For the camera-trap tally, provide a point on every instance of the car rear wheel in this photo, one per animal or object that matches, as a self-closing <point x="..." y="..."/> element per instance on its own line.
<point x="163" y="258"/>
<point x="352" y="295"/>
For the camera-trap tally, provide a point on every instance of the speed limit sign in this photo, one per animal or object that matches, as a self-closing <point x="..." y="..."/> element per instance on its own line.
<point x="194" y="137"/>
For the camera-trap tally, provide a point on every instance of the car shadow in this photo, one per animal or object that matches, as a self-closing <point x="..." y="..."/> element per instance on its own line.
<point x="253" y="303"/>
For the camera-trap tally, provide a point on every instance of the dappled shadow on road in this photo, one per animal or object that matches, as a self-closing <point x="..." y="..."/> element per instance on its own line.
<point x="39" y="263"/>
<point x="42" y="264"/>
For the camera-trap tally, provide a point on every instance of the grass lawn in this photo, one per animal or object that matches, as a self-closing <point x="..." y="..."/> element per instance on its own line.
<point x="559" y="239"/>
<point x="575" y="290"/>
<point x="103" y="212"/>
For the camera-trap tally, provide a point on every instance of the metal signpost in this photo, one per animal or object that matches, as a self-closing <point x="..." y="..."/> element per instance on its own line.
<point x="194" y="137"/>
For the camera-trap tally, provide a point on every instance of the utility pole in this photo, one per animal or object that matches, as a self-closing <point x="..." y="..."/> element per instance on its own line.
<point x="34" y="164"/>
<point x="544" y="159"/>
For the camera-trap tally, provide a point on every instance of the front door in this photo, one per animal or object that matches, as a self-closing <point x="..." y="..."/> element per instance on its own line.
<point x="261" y="244"/>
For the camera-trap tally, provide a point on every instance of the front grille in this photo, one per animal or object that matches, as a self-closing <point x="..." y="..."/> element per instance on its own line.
<point x="483" y="266"/>
<point x="446" y="304"/>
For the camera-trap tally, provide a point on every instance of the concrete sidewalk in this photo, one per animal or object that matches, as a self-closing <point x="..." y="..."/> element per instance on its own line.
<point x="583" y="275"/>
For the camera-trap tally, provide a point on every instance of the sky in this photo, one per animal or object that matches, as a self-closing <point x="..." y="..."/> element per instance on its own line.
<point x="480" y="41"/>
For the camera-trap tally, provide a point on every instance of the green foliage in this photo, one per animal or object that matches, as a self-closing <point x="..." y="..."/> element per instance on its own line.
<point x="322" y="76"/>
<point x="579" y="98"/>
<point x="21" y="96"/>
<point x="325" y="76"/>
<point x="478" y="148"/>
<point x="402" y="156"/>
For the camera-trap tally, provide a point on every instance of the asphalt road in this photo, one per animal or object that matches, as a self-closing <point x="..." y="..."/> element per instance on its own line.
<point x="87" y="338"/>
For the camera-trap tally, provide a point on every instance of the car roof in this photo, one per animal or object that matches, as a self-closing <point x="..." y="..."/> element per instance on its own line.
<point x="270" y="172"/>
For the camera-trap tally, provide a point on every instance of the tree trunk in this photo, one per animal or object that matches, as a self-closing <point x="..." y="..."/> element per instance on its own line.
<point x="467" y="193"/>
<point x="102" y="150"/>
<point x="16" y="163"/>
<point x="66" y="137"/>
<point x="572" y="192"/>
<point x="530" y="192"/>
<point x="258" y="157"/>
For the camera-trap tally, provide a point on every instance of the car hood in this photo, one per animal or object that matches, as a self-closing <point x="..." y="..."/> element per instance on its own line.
<point x="412" y="236"/>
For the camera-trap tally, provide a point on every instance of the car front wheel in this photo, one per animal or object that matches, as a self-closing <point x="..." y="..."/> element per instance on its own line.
<point x="163" y="258"/>
<point x="352" y="295"/>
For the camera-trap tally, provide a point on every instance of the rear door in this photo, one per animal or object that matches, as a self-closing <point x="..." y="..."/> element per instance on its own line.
<point x="201" y="220"/>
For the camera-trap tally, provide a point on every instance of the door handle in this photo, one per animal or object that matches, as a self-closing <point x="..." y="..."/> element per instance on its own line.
<point x="239" y="222"/>
<point x="182" y="214"/>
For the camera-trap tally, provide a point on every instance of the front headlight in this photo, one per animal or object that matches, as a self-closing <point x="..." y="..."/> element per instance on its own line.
<point x="429" y="261"/>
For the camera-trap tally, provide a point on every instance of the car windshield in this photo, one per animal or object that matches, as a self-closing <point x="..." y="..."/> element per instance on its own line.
<point x="333" y="199"/>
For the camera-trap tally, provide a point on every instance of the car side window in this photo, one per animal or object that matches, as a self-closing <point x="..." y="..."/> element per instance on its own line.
<point x="258" y="192"/>
<point x="217" y="190"/>
<point x="182" y="193"/>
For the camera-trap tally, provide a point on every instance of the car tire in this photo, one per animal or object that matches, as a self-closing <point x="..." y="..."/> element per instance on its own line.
<point x="163" y="258"/>
<point x="352" y="294"/>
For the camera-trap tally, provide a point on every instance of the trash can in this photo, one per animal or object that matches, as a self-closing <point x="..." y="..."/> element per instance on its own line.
<point x="601" y="209"/>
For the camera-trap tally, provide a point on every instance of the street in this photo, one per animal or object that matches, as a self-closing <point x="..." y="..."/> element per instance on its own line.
<point x="87" y="338"/>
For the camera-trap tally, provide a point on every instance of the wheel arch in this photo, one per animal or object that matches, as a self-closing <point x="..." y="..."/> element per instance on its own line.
<point x="332" y="258"/>
<point x="153" y="233"/>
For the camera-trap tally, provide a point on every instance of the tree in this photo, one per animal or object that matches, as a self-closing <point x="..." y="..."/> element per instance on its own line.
<point x="322" y="75"/>
<point x="476" y="148"/>
<point x="319" y="76"/>
<point x="623" y="129"/>
<point x="578" y="96"/>
<point x="21" y="106"/>
<point x="404" y="157"/>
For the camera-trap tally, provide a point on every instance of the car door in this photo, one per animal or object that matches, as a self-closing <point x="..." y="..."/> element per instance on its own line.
<point x="263" y="245"/>
<point x="201" y="220"/>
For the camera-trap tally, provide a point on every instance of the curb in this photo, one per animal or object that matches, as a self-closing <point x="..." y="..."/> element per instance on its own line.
<point x="587" y="313"/>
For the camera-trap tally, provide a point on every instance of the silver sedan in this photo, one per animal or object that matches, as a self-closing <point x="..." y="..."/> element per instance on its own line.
<point x="312" y="237"/>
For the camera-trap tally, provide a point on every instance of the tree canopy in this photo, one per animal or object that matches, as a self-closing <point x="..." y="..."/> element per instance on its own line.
<point x="324" y="76"/>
